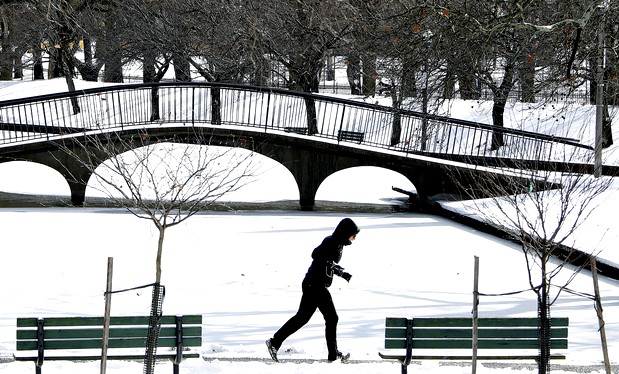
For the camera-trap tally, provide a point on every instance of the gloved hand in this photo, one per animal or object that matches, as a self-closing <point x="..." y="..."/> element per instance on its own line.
<point x="337" y="269"/>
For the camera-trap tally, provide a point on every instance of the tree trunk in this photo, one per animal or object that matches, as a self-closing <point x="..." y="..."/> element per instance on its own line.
<point x="6" y="55"/>
<point x="498" y="110"/>
<point x="182" y="72"/>
<point x="261" y="71"/>
<point x="306" y="80"/>
<point x="113" y="69"/>
<point x="159" y="254"/>
<point x="409" y="81"/>
<point x="156" y="312"/>
<point x="6" y="66"/>
<point x="110" y="51"/>
<point x="500" y="100"/>
<point x="89" y="69"/>
<point x="148" y="68"/>
<point x="543" y="364"/>
<point x="66" y="64"/>
<point x="527" y="79"/>
<point x="396" y="126"/>
<point x="610" y="98"/>
<point x="592" y="81"/>
<point x="612" y="82"/>
<point x="353" y="73"/>
<point x="215" y="106"/>
<point x="369" y="74"/>
<point x="449" y="84"/>
<point x="468" y="85"/>
<point x="312" y="118"/>
<point x="607" y="130"/>
<point x="55" y="60"/>
<point x="149" y="76"/>
<point x="154" y="101"/>
<point x="37" y="68"/>
<point x="304" y="73"/>
<point x="18" y="72"/>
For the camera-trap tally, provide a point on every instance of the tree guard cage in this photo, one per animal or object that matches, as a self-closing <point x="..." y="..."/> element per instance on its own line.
<point x="544" y="334"/>
<point x="154" y="326"/>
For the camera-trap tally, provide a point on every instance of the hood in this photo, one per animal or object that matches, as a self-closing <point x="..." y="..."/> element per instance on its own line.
<point x="344" y="230"/>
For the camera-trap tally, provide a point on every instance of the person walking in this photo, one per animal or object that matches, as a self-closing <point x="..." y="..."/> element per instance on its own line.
<point x="316" y="293"/>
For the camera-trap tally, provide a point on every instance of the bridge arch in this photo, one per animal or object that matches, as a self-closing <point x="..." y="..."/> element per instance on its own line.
<point x="274" y="179"/>
<point x="25" y="177"/>
<point x="351" y="185"/>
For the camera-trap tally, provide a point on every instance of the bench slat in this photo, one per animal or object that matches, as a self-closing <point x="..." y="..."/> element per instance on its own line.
<point x="468" y="344"/>
<point x="30" y="345"/>
<point x="462" y="333"/>
<point x="98" y="321"/>
<point x="468" y="322"/>
<point x="109" y="357"/>
<point x="468" y="358"/>
<point x="127" y="332"/>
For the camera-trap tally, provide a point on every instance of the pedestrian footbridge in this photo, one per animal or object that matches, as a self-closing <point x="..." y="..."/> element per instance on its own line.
<point x="313" y="136"/>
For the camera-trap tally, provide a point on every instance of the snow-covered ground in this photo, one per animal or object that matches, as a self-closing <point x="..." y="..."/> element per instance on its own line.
<point x="242" y="271"/>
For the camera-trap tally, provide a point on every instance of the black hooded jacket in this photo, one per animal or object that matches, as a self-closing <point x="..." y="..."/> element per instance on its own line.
<point x="329" y="253"/>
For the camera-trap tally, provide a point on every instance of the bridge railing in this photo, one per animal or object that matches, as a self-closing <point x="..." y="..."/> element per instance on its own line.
<point x="271" y="110"/>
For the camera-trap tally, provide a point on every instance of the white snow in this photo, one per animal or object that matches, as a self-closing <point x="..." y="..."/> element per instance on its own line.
<point x="242" y="271"/>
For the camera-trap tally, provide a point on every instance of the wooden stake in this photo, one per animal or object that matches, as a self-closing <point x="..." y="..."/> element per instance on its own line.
<point x="475" y="321"/>
<point x="598" y="309"/>
<point x="106" y="316"/>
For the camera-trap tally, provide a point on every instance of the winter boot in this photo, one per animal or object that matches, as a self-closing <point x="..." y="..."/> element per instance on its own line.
<point x="339" y="356"/>
<point x="272" y="350"/>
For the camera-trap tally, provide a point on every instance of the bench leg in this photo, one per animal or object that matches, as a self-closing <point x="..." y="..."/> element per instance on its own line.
<point x="404" y="369"/>
<point x="175" y="368"/>
<point x="37" y="369"/>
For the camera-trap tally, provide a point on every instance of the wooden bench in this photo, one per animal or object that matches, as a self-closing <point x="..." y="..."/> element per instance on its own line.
<point x="353" y="136"/>
<point x="296" y="130"/>
<point x="70" y="337"/>
<point x="403" y="336"/>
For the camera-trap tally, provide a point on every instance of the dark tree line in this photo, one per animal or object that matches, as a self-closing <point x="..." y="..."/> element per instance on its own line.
<point x="411" y="48"/>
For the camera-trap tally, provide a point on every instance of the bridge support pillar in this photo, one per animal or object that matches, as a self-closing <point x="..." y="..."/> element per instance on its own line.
<point x="78" y="193"/>
<point x="74" y="172"/>
<point x="307" y="203"/>
<point x="309" y="168"/>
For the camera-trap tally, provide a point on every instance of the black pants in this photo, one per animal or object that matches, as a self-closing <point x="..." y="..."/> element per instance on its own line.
<point x="314" y="297"/>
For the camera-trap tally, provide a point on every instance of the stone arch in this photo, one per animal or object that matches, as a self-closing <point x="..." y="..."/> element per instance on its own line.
<point x="271" y="163"/>
<point x="351" y="183"/>
<point x="76" y="175"/>
<point x="308" y="167"/>
<point x="27" y="178"/>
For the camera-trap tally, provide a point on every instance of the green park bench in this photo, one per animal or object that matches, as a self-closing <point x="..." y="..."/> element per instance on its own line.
<point x="80" y="338"/>
<point x="352" y="136"/>
<point x="296" y="130"/>
<point x="519" y="335"/>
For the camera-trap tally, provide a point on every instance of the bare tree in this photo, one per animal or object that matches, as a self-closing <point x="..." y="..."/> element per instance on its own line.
<point x="10" y="38"/>
<point x="298" y="35"/>
<point x="544" y="222"/>
<point x="509" y="44"/>
<point x="161" y="181"/>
